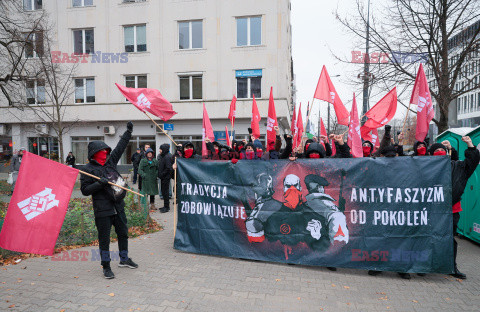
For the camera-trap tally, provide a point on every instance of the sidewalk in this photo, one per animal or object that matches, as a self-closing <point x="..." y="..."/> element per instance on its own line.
<point x="169" y="280"/>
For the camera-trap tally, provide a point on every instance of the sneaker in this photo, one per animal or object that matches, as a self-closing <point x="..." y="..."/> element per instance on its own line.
<point x="374" y="273"/>
<point x="129" y="263"/>
<point x="108" y="274"/>
<point x="163" y="210"/>
<point x="332" y="268"/>
<point x="405" y="275"/>
<point x="421" y="274"/>
<point x="459" y="274"/>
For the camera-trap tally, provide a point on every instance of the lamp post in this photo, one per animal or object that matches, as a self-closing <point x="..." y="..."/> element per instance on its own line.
<point x="366" y="69"/>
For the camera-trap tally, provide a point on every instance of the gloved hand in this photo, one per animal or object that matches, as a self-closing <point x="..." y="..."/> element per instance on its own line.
<point x="250" y="131"/>
<point x="130" y="126"/>
<point x="387" y="129"/>
<point x="103" y="181"/>
<point x="287" y="137"/>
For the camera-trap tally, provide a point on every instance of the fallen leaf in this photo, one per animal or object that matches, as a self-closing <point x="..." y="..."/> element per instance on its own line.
<point x="11" y="306"/>
<point x="32" y="283"/>
<point x="388" y="307"/>
<point x="333" y="285"/>
<point x="381" y="293"/>
<point x="415" y="301"/>
<point x="39" y="274"/>
<point x="124" y="282"/>
<point x="62" y="310"/>
<point x="346" y="287"/>
<point x="348" y="303"/>
<point x="298" y="298"/>
<point x="151" y="254"/>
<point x="111" y="294"/>
<point x="18" y="261"/>
<point x="447" y="298"/>
<point x="49" y="269"/>
<point x="277" y="280"/>
<point x="75" y="277"/>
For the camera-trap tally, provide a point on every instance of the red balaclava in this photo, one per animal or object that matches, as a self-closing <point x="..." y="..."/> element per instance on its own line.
<point x="314" y="155"/>
<point x="366" y="151"/>
<point x="188" y="152"/>
<point x="292" y="197"/>
<point x="250" y="154"/>
<point x="440" y="153"/>
<point x="101" y="156"/>
<point x="259" y="153"/>
<point x="421" y="150"/>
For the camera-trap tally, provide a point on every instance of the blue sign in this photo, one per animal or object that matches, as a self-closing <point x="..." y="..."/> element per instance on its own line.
<point x="167" y="126"/>
<point x="248" y="73"/>
<point x="221" y="136"/>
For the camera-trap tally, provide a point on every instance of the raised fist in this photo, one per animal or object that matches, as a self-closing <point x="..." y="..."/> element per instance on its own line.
<point x="467" y="140"/>
<point x="129" y="126"/>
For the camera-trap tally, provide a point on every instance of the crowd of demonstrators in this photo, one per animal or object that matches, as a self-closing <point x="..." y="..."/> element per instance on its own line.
<point x="70" y="161"/>
<point x="108" y="201"/>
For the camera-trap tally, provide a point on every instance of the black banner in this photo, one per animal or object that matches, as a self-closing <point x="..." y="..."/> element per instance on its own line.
<point x="388" y="214"/>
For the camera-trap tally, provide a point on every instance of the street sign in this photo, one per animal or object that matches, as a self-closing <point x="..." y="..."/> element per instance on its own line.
<point x="167" y="126"/>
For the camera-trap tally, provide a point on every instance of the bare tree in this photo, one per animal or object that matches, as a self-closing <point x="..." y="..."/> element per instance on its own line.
<point x="35" y="82"/>
<point x="444" y="32"/>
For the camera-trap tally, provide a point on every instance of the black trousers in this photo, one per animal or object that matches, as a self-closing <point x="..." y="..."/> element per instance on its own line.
<point x="165" y="187"/>
<point x="456" y="218"/>
<point x="135" y="174"/>
<point x="104" y="226"/>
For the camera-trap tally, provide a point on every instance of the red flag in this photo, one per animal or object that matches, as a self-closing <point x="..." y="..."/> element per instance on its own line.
<point x="421" y="97"/>
<point x="375" y="141"/>
<point x="326" y="91"/>
<point x="366" y="133"/>
<point x="354" y="140"/>
<point x="382" y="112"/>
<point x="299" y="128"/>
<point x="334" y="148"/>
<point x="271" y="123"/>
<point x="38" y="205"/>
<point x="149" y="100"/>
<point x="293" y="125"/>
<point x="323" y="131"/>
<point x="207" y="131"/>
<point x="229" y="143"/>
<point x="233" y="110"/>
<point x="255" y="124"/>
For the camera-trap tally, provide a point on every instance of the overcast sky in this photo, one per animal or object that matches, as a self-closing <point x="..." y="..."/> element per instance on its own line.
<point x="317" y="36"/>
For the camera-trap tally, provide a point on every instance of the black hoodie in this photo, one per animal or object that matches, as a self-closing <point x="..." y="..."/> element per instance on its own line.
<point x="105" y="202"/>
<point x="315" y="147"/>
<point x="165" y="162"/>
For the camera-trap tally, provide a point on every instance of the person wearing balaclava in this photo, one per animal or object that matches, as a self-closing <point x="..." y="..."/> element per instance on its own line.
<point x="248" y="153"/>
<point x="367" y="148"/>
<point x="107" y="200"/>
<point x="148" y="170"/>
<point x="420" y="148"/>
<point x="15" y="163"/>
<point x="461" y="172"/>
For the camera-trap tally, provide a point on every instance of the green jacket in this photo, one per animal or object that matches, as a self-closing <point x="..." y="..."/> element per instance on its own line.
<point x="149" y="173"/>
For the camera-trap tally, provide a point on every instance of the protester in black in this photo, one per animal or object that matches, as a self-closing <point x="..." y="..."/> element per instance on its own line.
<point x="142" y="156"/>
<point x="165" y="173"/>
<point x="136" y="157"/>
<point x="70" y="161"/>
<point x="108" y="203"/>
<point x="461" y="172"/>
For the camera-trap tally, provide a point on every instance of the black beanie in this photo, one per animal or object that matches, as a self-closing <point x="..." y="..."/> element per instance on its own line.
<point x="436" y="146"/>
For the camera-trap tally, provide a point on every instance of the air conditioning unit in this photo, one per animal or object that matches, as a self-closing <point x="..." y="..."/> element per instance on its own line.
<point x="3" y="129"/>
<point x="109" y="130"/>
<point x="158" y="131"/>
<point x="42" y="128"/>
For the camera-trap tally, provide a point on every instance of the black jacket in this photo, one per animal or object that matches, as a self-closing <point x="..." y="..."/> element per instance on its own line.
<point x="104" y="202"/>
<point x="461" y="172"/>
<point x="70" y="160"/>
<point x="342" y="151"/>
<point x="136" y="157"/>
<point x="165" y="162"/>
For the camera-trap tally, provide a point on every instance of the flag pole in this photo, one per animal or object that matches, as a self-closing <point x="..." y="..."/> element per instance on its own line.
<point x="175" y="201"/>
<point x="404" y="122"/>
<point x="158" y="126"/>
<point x="123" y="188"/>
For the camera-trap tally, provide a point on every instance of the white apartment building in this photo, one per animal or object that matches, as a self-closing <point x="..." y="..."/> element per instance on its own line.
<point x="194" y="52"/>
<point x="464" y="111"/>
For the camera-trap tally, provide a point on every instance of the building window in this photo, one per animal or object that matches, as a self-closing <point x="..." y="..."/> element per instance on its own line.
<point x="249" y="31"/>
<point x="190" y="35"/>
<point x="34" y="44"/>
<point x="83" y="41"/>
<point x="135" y="38"/>
<point x="84" y="90"/>
<point x="82" y="3"/>
<point x="80" y="148"/>
<point x="249" y="83"/>
<point x="190" y="87"/>
<point x="31" y="5"/>
<point x="137" y="81"/>
<point x="35" y="91"/>
<point x="44" y="146"/>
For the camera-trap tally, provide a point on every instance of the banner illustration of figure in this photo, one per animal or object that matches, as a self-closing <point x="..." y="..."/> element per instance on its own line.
<point x="317" y="221"/>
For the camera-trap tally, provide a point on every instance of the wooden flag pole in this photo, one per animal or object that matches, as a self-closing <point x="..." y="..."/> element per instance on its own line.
<point x="158" y="126"/>
<point x="123" y="188"/>
<point x="175" y="201"/>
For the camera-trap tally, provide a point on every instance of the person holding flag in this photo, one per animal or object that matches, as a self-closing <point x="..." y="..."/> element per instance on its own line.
<point x="108" y="203"/>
